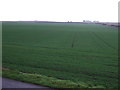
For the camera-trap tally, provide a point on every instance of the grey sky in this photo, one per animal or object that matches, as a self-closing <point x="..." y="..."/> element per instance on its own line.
<point x="59" y="10"/>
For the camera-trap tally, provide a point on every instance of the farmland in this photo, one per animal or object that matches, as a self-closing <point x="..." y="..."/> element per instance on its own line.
<point x="66" y="51"/>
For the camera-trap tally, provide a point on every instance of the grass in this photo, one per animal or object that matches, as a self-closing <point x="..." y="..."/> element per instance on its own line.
<point x="44" y="80"/>
<point x="75" y="52"/>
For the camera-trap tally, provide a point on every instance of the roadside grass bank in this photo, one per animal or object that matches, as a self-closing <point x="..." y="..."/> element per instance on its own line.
<point x="44" y="80"/>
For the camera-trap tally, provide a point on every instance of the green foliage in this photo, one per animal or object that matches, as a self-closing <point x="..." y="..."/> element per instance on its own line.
<point x="76" y="52"/>
<point x="42" y="80"/>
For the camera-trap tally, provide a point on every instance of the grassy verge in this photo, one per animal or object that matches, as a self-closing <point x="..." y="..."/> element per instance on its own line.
<point x="44" y="80"/>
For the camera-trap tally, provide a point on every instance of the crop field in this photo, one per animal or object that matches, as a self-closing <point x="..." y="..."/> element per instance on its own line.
<point x="68" y="51"/>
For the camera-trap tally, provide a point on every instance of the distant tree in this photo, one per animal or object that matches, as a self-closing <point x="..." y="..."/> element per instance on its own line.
<point x="83" y="20"/>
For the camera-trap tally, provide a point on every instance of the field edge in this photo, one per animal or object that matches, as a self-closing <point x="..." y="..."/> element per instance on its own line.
<point x="44" y="80"/>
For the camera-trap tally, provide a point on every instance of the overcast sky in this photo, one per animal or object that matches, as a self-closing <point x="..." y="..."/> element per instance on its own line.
<point x="59" y="10"/>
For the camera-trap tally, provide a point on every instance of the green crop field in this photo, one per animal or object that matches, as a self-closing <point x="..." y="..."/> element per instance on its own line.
<point x="67" y="51"/>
